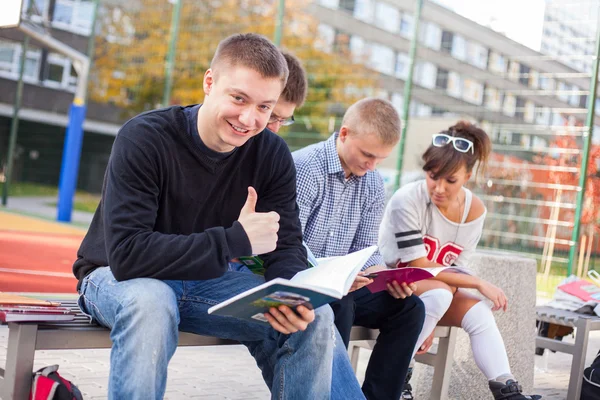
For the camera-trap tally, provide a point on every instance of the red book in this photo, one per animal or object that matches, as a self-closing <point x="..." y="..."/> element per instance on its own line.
<point x="406" y="275"/>
<point x="585" y="290"/>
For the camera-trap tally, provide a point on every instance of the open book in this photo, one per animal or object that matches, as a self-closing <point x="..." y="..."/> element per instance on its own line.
<point x="331" y="279"/>
<point x="407" y="275"/>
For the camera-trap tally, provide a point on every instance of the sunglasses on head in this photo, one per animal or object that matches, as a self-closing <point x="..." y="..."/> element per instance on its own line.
<point x="460" y="144"/>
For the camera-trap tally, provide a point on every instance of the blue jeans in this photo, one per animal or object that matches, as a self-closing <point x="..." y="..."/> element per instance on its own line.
<point x="145" y="315"/>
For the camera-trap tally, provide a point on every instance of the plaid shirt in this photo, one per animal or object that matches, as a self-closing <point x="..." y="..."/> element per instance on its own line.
<point x="338" y="216"/>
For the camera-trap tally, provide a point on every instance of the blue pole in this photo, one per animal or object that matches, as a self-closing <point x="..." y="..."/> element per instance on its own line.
<point x="70" y="160"/>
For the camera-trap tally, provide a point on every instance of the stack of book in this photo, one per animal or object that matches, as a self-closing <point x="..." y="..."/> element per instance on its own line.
<point x="15" y="308"/>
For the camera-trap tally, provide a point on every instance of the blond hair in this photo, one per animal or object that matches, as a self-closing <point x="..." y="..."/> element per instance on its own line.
<point x="374" y="116"/>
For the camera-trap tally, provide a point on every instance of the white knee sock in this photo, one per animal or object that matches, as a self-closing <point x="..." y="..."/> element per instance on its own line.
<point x="486" y="341"/>
<point x="436" y="303"/>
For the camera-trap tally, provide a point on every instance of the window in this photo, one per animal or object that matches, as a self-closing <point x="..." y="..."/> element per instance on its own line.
<point x="73" y="15"/>
<point x="325" y="37"/>
<point x="425" y="74"/>
<point x="547" y="83"/>
<point x="441" y="80"/>
<point x="402" y="64"/>
<point x="347" y="5"/>
<point x="407" y="23"/>
<point x="563" y="91"/>
<point x="330" y="3"/>
<point x="497" y="63"/>
<point x="454" y="84"/>
<point x="10" y="62"/>
<point x="513" y="70"/>
<point x="387" y="17"/>
<point x="447" y="40"/>
<point x="529" y="114"/>
<point x="523" y="74"/>
<point x="358" y="49"/>
<point x="520" y="108"/>
<point x="38" y="10"/>
<point x="59" y="72"/>
<point x="542" y="115"/>
<point x="493" y="99"/>
<point x="534" y="78"/>
<point x="510" y="103"/>
<point x="398" y="102"/>
<point x="477" y="55"/>
<point x="363" y="10"/>
<point x="574" y="96"/>
<point x="459" y="47"/>
<point x="382" y="59"/>
<point x="473" y="91"/>
<point x="431" y="35"/>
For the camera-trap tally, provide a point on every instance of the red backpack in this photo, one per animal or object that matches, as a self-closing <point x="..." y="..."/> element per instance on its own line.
<point x="49" y="385"/>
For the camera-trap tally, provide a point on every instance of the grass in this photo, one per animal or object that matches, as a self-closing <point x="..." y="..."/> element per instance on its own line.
<point x="84" y="201"/>
<point x="26" y="189"/>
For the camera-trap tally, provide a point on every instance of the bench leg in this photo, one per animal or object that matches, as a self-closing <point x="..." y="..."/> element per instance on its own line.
<point x="19" y="361"/>
<point x="578" y="364"/>
<point x="354" y="353"/>
<point x="443" y="366"/>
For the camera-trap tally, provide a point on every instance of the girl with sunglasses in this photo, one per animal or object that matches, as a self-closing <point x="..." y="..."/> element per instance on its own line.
<point x="437" y="221"/>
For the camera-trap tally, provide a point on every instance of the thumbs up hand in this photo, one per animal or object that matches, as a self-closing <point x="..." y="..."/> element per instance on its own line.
<point x="261" y="228"/>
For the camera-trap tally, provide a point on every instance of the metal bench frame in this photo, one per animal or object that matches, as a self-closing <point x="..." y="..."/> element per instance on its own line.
<point x="441" y="360"/>
<point x="583" y="325"/>
<point x="25" y="338"/>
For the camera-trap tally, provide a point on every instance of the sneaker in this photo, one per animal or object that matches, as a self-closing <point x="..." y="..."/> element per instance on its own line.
<point x="407" y="389"/>
<point x="511" y="390"/>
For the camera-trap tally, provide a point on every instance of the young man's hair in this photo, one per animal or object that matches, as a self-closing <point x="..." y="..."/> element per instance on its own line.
<point x="252" y="51"/>
<point x="296" y="86"/>
<point x="374" y="116"/>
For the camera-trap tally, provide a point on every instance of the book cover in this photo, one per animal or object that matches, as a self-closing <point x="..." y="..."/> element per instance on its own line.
<point x="8" y="298"/>
<point x="405" y="274"/>
<point x="329" y="280"/>
<point x="254" y="305"/>
<point x="583" y="289"/>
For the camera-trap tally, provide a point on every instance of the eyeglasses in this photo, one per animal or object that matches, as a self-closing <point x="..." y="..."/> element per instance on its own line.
<point x="282" y="121"/>
<point x="460" y="144"/>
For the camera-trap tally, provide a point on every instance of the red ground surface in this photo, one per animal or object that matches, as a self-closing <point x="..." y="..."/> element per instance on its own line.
<point x="37" y="262"/>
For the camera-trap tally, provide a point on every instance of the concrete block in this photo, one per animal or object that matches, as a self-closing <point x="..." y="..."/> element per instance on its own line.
<point x="516" y="276"/>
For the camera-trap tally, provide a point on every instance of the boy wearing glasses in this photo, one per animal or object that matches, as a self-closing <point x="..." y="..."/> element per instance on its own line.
<point x="341" y="199"/>
<point x="293" y="95"/>
<point x="438" y="222"/>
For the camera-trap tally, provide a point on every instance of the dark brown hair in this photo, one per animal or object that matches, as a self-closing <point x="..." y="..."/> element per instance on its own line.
<point x="445" y="160"/>
<point x="296" y="86"/>
<point x="251" y="51"/>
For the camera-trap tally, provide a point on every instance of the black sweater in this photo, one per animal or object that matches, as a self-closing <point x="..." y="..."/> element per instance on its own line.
<point x="169" y="211"/>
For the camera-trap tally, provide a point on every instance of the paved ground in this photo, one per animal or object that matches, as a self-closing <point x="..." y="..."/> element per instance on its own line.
<point x="228" y="372"/>
<point x="224" y="372"/>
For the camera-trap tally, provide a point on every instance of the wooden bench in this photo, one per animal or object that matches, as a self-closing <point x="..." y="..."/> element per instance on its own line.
<point x="25" y="338"/>
<point x="583" y="325"/>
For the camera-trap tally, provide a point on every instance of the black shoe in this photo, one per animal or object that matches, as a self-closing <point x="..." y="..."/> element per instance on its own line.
<point x="407" y="389"/>
<point x="511" y="390"/>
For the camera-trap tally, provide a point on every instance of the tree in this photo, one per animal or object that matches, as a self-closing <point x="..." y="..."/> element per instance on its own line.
<point x="133" y="43"/>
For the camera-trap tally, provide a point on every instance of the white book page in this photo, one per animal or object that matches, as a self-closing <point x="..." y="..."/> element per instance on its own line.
<point x="335" y="273"/>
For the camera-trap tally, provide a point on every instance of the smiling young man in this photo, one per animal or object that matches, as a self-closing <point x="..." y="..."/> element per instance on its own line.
<point x="187" y="189"/>
<point x="341" y="199"/>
